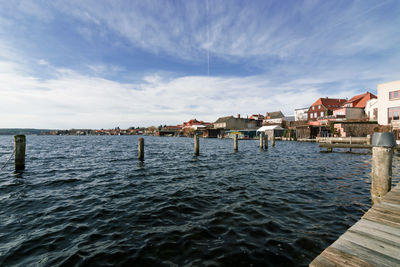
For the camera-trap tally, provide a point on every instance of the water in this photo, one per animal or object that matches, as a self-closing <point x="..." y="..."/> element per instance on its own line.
<point x="88" y="201"/>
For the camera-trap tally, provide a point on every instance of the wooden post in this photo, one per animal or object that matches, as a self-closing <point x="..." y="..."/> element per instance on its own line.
<point x="381" y="174"/>
<point x="266" y="141"/>
<point x="19" y="147"/>
<point x="330" y="149"/>
<point x="141" y="149"/>
<point x="196" y="145"/>
<point x="369" y="139"/>
<point x="350" y="143"/>
<point x="261" y="140"/>
<point x="290" y="135"/>
<point x="235" y="143"/>
<point x="273" y="139"/>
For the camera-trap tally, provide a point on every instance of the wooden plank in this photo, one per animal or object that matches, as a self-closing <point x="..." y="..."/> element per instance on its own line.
<point x="381" y="217"/>
<point x="384" y="207"/>
<point x="378" y="246"/>
<point x="376" y="235"/>
<point x="374" y="226"/>
<point x="361" y="146"/>
<point x="366" y="254"/>
<point x="335" y="257"/>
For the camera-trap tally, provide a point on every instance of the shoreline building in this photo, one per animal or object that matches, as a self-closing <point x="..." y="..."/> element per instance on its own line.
<point x="389" y="105"/>
<point x="301" y="114"/>
<point x="354" y="109"/>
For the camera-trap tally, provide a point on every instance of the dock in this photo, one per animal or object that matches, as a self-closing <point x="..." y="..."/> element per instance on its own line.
<point x="373" y="241"/>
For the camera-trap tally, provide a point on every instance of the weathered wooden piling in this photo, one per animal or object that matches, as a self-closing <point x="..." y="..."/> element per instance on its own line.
<point x="235" y="143"/>
<point x="350" y="142"/>
<point x="196" y="145"/>
<point x="266" y="141"/>
<point x="381" y="174"/>
<point x="19" y="150"/>
<point x="369" y="139"/>
<point x="290" y="135"/>
<point x="141" y="149"/>
<point x="273" y="140"/>
<point x="261" y="141"/>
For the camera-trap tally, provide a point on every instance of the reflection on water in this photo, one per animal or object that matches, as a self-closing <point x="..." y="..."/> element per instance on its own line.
<point x="89" y="201"/>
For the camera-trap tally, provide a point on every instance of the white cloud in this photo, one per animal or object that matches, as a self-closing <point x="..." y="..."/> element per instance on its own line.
<point x="74" y="100"/>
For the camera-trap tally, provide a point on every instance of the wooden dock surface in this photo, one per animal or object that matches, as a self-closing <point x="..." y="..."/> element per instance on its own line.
<point x="342" y="145"/>
<point x="373" y="241"/>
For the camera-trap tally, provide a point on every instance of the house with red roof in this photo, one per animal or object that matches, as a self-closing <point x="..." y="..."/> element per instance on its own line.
<point x="324" y="107"/>
<point x="354" y="108"/>
<point x="195" y="124"/>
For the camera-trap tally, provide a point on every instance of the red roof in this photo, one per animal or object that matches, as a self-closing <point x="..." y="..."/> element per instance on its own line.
<point x="195" y="122"/>
<point x="173" y="127"/>
<point x="330" y="103"/>
<point x="359" y="101"/>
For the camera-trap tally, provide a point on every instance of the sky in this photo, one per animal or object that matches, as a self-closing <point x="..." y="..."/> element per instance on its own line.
<point x="105" y="64"/>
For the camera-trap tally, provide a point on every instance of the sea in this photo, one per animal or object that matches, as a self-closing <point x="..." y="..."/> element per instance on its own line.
<point x="88" y="201"/>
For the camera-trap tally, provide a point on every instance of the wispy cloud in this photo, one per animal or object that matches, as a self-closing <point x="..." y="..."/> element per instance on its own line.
<point x="72" y="99"/>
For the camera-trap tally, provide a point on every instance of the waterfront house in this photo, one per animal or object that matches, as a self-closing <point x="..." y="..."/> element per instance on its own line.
<point x="324" y="107"/>
<point x="232" y="123"/>
<point x="389" y="105"/>
<point x="301" y="114"/>
<point x="271" y="130"/>
<point x="354" y="109"/>
<point x="273" y="118"/>
<point x="371" y="109"/>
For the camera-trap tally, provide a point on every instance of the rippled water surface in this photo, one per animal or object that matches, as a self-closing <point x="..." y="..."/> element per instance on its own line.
<point x="88" y="201"/>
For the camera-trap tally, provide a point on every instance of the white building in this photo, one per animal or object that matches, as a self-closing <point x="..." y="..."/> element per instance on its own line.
<point x="300" y="114"/>
<point x="371" y="109"/>
<point x="388" y="103"/>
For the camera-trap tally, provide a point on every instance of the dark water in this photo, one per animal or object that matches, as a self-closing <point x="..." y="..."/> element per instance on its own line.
<point x="88" y="201"/>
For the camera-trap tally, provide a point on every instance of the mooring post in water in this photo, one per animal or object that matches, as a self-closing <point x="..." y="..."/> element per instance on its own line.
<point x="369" y="139"/>
<point x="381" y="174"/>
<point x="235" y="142"/>
<point x="266" y="141"/>
<point x="290" y="135"/>
<point x="19" y="150"/>
<point x="350" y="143"/>
<point x="141" y="149"/>
<point x="273" y="139"/>
<point x="330" y="149"/>
<point x="196" y="145"/>
<point x="261" y="141"/>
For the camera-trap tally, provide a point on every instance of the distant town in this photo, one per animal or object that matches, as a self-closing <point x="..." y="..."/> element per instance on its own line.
<point x="358" y="115"/>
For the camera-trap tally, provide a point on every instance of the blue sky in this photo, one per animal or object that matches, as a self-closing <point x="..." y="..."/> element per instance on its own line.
<point x="100" y="64"/>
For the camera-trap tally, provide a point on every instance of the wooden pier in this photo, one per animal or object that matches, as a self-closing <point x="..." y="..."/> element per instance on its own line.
<point x="372" y="241"/>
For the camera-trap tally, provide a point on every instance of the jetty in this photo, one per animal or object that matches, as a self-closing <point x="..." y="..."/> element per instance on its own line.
<point x="375" y="239"/>
<point x="372" y="241"/>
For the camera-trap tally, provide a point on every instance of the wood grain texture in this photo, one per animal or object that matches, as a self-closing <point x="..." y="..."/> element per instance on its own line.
<point x="372" y="241"/>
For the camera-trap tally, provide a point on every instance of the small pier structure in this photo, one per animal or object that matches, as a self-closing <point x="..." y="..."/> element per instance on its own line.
<point x="372" y="241"/>
<point x="375" y="239"/>
<point x="345" y="142"/>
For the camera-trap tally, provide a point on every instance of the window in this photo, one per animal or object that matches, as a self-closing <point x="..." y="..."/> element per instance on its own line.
<point x="322" y="113"/>
<point x="393" y="114"/>
<point x="313" y="107"/>
<point x="315" y="115"/>
<point x="319" y="106"/>
<point x="311" y="115"/>
<point x="394" y="95"/>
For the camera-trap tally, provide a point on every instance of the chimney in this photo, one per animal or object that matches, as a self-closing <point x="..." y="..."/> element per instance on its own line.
<point x="238" y="116"/>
